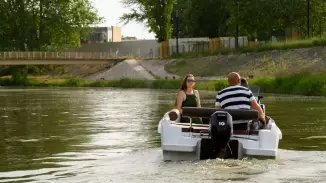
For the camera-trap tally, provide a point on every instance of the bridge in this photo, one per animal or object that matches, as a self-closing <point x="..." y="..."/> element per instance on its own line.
<point x="58" y="58"/>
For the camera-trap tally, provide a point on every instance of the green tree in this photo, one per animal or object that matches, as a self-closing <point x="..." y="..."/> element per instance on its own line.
<point x="155" y="13"/>
<point x="263" y="18"/>
<point x="318" y="17"/>
<point x="39" y="24"/>
<point x="202" y="18"/>
<point x="259" y="19"/>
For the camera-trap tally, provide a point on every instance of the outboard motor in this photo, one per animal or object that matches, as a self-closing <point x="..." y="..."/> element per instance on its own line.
<point x="221" y="130"/>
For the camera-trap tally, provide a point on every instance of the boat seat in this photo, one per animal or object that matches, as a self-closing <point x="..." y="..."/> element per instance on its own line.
<point x="237" y="114"/>
<point x="203" y="130"/>
<point x="237" y="125"/>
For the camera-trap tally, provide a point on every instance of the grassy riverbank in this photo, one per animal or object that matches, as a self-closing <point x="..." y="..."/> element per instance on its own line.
<point x="260" y="64"/>
<point x="308" y="85"/>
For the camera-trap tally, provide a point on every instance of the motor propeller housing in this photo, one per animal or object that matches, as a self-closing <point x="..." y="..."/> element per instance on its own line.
<point x="221" y="130"/>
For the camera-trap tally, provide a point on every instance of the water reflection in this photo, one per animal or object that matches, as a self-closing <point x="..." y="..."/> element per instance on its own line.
<point x="58" y="128"/>
<point x="35" y="127"/>
<point x="123" y="118"/>
<point x="82" y="135"/>
<point x="299" y="118"/>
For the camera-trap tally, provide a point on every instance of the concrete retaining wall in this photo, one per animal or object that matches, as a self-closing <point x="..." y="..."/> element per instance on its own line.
<point x="140" y="48"/>
<point x="151" y="48"/>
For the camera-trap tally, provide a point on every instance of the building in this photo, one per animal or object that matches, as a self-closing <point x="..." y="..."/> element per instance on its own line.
<point x="104" y="35"/>
<point x="129" y="38"/>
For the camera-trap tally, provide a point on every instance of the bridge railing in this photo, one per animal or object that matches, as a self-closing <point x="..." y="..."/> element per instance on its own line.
<point x="57" y="56"/>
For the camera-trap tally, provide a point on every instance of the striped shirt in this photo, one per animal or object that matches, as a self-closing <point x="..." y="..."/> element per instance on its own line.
<point x="234" y="97"/>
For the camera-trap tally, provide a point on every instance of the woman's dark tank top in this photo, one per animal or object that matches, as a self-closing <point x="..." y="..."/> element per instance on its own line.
<point x="189" y="102"/>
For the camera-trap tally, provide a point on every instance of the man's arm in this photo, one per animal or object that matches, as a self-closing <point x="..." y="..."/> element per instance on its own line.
<point x="256" y="106"/>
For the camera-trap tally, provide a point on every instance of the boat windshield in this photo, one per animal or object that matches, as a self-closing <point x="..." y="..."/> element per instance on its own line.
<point x="255" y="90"/>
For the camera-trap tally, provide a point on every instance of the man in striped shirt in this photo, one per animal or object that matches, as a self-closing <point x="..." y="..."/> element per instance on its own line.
<point x="237" y="97"/>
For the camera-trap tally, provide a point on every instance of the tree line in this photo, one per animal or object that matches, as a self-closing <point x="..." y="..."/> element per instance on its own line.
<point x="257" y="19"/>
<point x="35" y="25"/>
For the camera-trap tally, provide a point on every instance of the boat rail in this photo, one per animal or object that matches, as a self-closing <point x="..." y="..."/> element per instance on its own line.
<point x="57" y="56"/>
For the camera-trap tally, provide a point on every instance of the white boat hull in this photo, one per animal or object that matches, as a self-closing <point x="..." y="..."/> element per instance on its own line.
<point x="178" y="143"/>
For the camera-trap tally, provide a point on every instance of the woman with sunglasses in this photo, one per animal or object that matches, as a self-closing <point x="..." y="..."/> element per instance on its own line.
<point x="187" y="96"/>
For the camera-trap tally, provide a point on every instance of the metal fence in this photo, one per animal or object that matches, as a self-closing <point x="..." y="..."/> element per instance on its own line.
<point x="205" y="46"/>
<point x="58" y="56"/>
<point x="185" y="46"/>
<point x="117" y="53"/>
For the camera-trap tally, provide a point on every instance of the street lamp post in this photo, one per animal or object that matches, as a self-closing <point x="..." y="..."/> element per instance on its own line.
<point x="237" y="27"/>
<point x="176" y="19"/>
<point x="177" y="30"/>
<point x="308" y="18"/>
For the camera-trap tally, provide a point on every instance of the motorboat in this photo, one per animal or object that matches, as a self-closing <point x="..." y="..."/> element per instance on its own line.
<point x="229" y="133"/>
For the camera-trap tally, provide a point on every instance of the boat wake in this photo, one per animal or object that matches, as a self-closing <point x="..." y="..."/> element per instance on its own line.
<point x="148" y="166"/>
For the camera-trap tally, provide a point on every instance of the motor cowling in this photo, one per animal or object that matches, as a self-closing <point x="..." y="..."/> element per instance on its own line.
<point x="221" y="130"/>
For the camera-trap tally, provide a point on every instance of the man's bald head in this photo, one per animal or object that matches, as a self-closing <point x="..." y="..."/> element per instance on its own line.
<point x="234" y="78"/>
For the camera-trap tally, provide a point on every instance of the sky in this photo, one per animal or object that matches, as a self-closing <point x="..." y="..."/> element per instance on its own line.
<point x="111" y="10"/>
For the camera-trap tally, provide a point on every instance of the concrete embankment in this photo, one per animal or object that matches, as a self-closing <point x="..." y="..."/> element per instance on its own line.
<point x="126" y="69"/>
<point x="260" y="64"/>
<point x="140" y="70"/>
<point x="156" y="67"/>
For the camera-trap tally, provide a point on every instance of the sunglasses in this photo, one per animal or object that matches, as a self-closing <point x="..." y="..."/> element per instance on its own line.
<point x="191" y="81"/>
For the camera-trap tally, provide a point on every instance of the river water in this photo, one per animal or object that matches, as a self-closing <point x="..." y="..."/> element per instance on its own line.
<point x="110" y="135"/>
